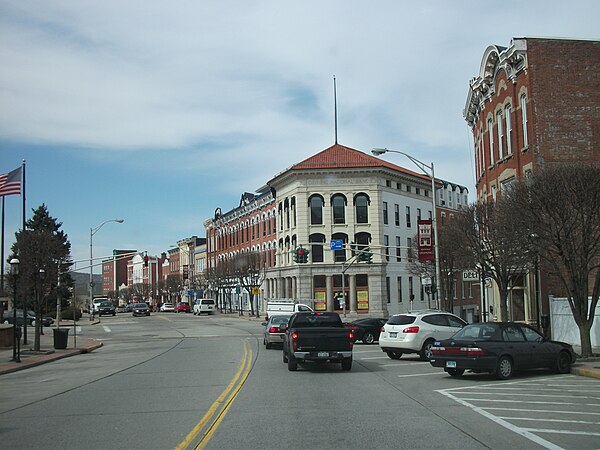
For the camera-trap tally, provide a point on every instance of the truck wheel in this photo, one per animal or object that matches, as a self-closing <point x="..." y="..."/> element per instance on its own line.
<point x="285" y="358"/>
<point x="292" y="364"/>
<point x="347" y="363"/>
<point x="368" y="338"/>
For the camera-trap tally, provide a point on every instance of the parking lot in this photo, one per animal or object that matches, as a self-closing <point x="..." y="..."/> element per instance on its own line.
<point x="552" y="411"/>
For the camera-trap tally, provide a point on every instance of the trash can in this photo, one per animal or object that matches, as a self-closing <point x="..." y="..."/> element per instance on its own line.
<point x="61" y="336"/>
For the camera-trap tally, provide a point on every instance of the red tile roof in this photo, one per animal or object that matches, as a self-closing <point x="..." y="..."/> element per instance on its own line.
<point x="341" y="157"/>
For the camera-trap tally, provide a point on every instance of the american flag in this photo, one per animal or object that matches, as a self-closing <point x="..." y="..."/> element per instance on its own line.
<point x="10" y="183"/>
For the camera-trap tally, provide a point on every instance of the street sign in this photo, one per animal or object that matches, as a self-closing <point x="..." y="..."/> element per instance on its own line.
<point x="336" y="244"/>
<point x="470" y="275"/>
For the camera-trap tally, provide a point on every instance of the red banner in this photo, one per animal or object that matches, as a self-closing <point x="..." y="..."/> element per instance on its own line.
<point x="425" y="240"/>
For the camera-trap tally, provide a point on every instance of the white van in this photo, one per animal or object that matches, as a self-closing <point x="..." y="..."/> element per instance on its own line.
<point x="204" y="305"/>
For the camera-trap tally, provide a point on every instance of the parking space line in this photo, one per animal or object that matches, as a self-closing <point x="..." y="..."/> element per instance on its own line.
<point x="106" y="329"/>
<point x="520" y="431"/>
<point x="418" y="374"/>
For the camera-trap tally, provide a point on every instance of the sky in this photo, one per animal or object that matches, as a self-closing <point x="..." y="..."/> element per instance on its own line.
<point x="159" y="112"/>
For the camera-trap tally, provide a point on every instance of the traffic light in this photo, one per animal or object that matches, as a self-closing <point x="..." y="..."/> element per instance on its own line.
<point x="301" y="255"/>
<point x="365" y="256"/>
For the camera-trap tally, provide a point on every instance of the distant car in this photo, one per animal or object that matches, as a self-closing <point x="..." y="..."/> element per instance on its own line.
<point x="121" y="309"/>
<point x="167" y="307"/>
<point x="417" y="331"/>
<point x="204" y="305"/>
<point x="274" y="334"/>
<point x="140" y="309"/>
<point x="106" y="308"/>
<point x="129" y="307"/>
<point x="366" y="330"/>
<point x="182" y="307"/>
<point x="500" y="348"/>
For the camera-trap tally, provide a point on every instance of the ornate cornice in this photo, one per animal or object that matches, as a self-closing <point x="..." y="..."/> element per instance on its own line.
<point x="512" y="60"/>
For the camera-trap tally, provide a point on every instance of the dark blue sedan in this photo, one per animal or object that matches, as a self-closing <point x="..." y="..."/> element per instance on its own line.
<point x="500" y="348"/>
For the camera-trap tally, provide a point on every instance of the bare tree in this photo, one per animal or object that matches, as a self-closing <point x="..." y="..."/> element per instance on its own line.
<point x="490" y="235"/>
<point x="249" y="269"/>
<point x="561" y="206"/>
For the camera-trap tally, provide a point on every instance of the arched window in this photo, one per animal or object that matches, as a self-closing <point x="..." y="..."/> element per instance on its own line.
<point x="361" y="204"/>
<point x="316" y="246"/>
<point x="316" y="203"/>
<point x="338" y="204"/>
<point x="524" y="120"/>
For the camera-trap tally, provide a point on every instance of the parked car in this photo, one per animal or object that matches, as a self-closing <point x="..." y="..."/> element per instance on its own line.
<point x="500" y="348"/>
<point x="29" y="318"/>
<point x="273" y="333"/>
<point x="204" y="305"/>
<point x="167" y="307"/>
<point x="366" y="330"/>
<point x="129" y="307"/>
<point x="182" y="307"/>
<point x="141" y="309"/>
<point x="106" y="308"/>
<point x="416" y="332"/>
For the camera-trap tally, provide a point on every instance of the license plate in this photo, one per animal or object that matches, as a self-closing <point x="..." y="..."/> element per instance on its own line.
<point x="393" y="335"/>
<point x="323" y="354"/>
<point x="451" y="364"/>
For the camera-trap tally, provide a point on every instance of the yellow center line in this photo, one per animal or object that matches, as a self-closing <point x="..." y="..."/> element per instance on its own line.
<point x="220" y="401"/>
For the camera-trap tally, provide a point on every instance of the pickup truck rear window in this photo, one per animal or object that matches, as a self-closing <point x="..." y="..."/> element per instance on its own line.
<point x="316" y="321"/>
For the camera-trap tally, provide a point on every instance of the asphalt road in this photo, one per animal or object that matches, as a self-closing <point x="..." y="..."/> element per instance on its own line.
<point x="181" y="381"/>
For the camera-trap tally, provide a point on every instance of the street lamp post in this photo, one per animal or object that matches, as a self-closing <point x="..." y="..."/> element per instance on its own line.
<point x="421" y="165"/>
<point x="14" y="271"/>
<point x="93" y="231"/>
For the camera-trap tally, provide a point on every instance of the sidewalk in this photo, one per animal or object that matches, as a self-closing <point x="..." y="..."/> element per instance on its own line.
<point x="47" y="353"/>
<point x="589" y="367"/>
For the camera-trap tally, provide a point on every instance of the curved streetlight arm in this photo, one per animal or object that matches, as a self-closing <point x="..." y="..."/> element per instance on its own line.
<point x="420" y="164"/>
<point x="93" y="231"/>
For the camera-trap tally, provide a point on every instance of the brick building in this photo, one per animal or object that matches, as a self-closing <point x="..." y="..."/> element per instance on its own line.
<point x="114" y="271"/>
<point x="533" y="103"/>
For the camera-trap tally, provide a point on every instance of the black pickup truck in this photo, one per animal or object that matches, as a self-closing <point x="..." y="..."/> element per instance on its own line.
<point x="317" y="336"/>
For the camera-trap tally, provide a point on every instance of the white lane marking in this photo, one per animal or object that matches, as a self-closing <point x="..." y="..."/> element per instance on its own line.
<point x="106" y="329"/>
<point x="525" y="394"/>
<point x="528" y="402"/>
<point x="402" y="364"/>
<point x="541" y="430"/>
<point x="500" y="408"/>
<point x="419" y="374"/>
<point x="532" y="419"/>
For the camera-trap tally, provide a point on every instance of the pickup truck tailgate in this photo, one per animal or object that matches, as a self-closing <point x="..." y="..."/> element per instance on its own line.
<point x="323" y="339"/>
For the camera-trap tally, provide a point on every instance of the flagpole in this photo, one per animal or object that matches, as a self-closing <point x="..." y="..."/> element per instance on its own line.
<point x="24" y="237"/>
<point x="2" y="265"/>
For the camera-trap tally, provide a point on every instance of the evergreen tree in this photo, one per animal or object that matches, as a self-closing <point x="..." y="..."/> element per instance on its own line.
<point x="42" y="249"/>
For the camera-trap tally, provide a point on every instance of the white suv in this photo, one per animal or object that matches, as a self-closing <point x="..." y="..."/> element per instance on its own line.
<point x="416" y="332"/>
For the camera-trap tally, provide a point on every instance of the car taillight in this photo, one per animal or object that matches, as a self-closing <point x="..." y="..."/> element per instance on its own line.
<point x="382" y="329"/>
<point x="351" y="336"/>
<point x="462" y="351"/>
<point x="274" y="330"/>
<point x="294" y="337"/>
<point x="414" y="329"/>
<point x="472" y="351"/>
